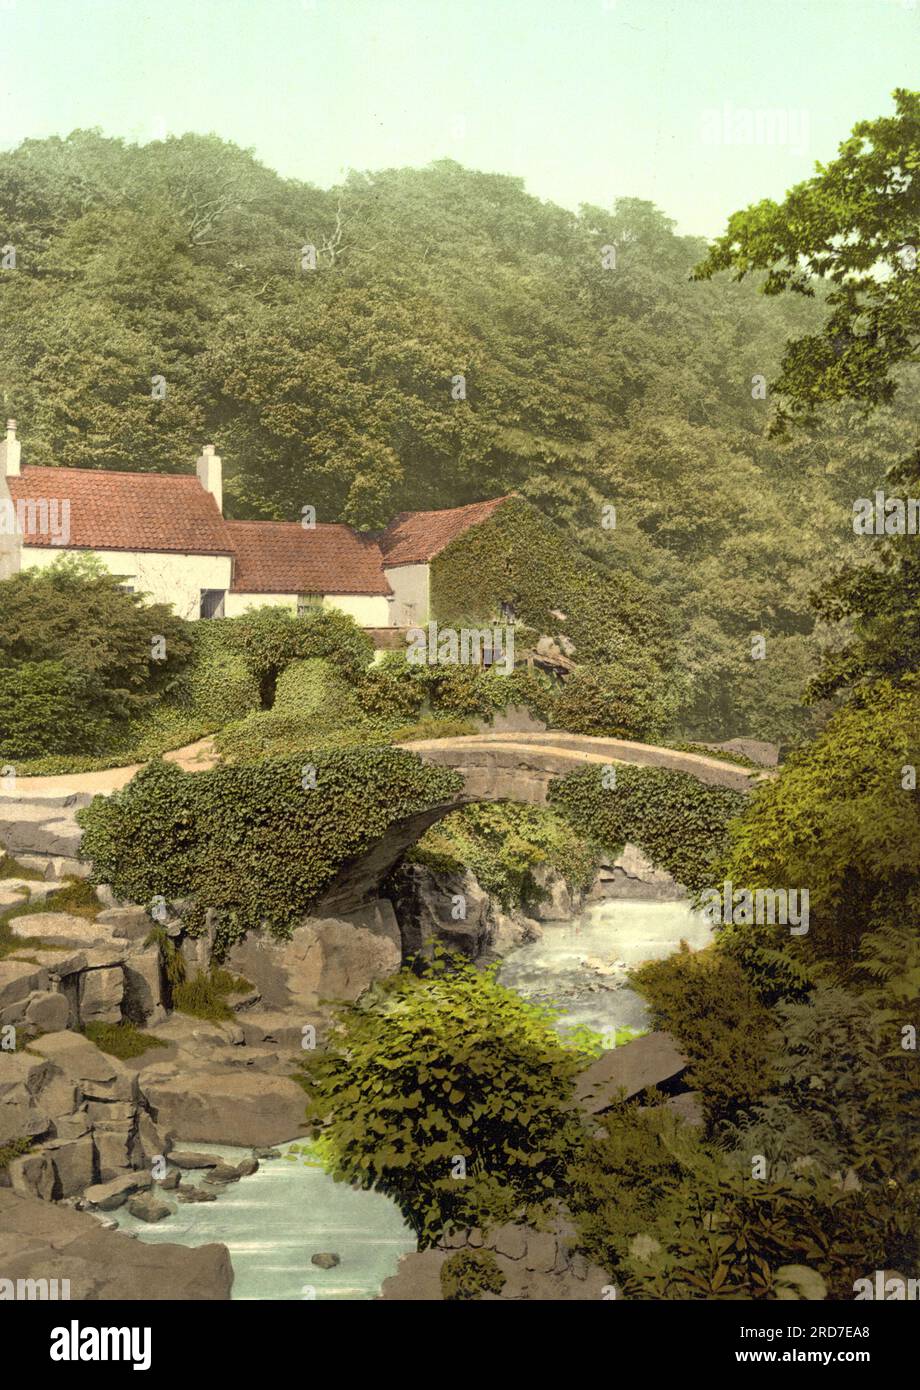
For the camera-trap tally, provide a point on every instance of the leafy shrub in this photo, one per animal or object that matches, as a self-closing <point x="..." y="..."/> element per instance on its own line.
<point x="396" y="689"/>
<point x="468" y="1274"/>
<point x="257" y="843"/>
<point x="726" y="1033"/>
<point x="312" y="701"/>
<point x="76" y="658"/>
<point x="424" y="1070"/>
<point x="615" y="700"/>
<point x="270" y="638"/>
<point x="837" y="821"/>
<point x="680" y="823"/>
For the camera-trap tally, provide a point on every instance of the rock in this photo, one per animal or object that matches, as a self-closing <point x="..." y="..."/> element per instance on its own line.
<point x="143" y="1002"/>
<point x="126" y="923"/>
<point x="146" y="1207"/>
<point x="224" y="1106"/>
<point x="97" y="1075"/>
<point x="556" y="905"/>
<point x="186" y="1158"/>
<point x="324" y="959"/>
<point x="49" y="1013"/>
<point x="266" y="1153"/>
<point x="510" y="1240"/>
<point x="223" y="1173"/>
<point x="74" y="1164"/>
<point x="325" y="1259"/>
<point x="60" y="928"/>
<point x="541" y="1250"/>
<point x="19" y="979"/>
<point x="171" y="1181"/>
<point x="48" y="1240"/>
<point x="101" y="995"/>
<point x="107" y="1196"/>
<point x="195" y="1194"/>
<point x="247" y="1166"/>
<point x="652" y="1060"/>
<point x="273" y="1026"/>
<point x="429" y="904"/>
<point x="32" y="1175"/>
<point x="633" y="875"/>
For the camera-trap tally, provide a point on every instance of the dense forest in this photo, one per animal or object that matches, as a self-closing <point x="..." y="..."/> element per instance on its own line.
<point x="424" y="338"/>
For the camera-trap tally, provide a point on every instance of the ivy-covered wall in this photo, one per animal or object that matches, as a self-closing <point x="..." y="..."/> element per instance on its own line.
<point x="518" y="556"/>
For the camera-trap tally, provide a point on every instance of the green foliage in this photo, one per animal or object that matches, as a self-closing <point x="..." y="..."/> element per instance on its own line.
<point x="468" y="1274"/>
<point x="847" y="226"/>
<point x="270" y="638"/>
<point x="205" y="995"/>
<point x="76" y="659"/>
<point x="424" y="1069"/>
<point x="121" y="1040"/>
<point x="503" y="843"/>
<point x="839" y="822"/>
<point x="728" y="1036"/>
<point x="257" y="843"/>
<point x="521" y="558"/>
<point x="617" y="700"/>
<point x="678" y="822"/>
<point x="312" y="701"/>
<point x="15" y="1148"/>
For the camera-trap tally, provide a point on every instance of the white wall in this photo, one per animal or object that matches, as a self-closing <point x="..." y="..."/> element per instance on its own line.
<point x="236" y="604"/>
<point x="368" y="610"/>
<point x="411" y="594"/>
<point x="10" y="538"/>
<point x="165" y="577"/>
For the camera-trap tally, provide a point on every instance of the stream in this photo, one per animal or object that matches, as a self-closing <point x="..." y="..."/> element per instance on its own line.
<point x="274" y="1221"/>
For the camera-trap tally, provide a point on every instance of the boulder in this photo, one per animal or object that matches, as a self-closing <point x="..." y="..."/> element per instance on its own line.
<point x="126" y="923"/>
<point x="223" y="1106"/>
<point x="652" y="1060"/>
<point x="325" y="958"/>
<point x="101" y="995"/>
<point x="47" y="1012"/>
<point x="146" y="1207"/>
<point x="185" y="1158"/>
<point x="223" y="1173"/>
<point x="435" y="906"/>
<point x="74" y="1162"/>
<point x="59" y="928"/>
<point x="109" y="1195"/>
<point x="97" y="1075"/>
<point x="46" y="1240"/>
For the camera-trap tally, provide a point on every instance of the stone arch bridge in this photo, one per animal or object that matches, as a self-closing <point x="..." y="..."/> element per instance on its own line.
<point x="512" y="767"/>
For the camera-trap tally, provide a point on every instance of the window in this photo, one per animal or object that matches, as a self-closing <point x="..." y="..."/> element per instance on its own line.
<point x="306" y="603"/>
<point x="212" y="603"/>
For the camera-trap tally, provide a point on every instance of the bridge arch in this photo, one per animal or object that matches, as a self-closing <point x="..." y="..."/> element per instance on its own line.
<point x="511" y="767"/>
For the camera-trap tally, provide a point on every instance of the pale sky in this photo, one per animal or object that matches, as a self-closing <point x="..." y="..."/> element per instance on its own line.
<point x="586" y="100"/>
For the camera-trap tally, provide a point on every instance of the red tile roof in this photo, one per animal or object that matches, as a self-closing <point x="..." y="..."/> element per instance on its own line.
<point x="122" y="511"/>
<point x="172" y="512"/>
<point x="283" y="557"/>
<point x="414" y="538"/>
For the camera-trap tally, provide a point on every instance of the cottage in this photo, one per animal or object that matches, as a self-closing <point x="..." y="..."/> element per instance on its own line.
<point x="165" y="535"/>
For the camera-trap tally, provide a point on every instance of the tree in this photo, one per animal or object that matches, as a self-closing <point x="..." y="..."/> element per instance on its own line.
<point x="90" y="657"/>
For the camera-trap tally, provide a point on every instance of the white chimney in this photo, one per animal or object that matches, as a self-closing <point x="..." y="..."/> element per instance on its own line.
<point x="11" y="451"/>
<point x="209" y="475"/>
